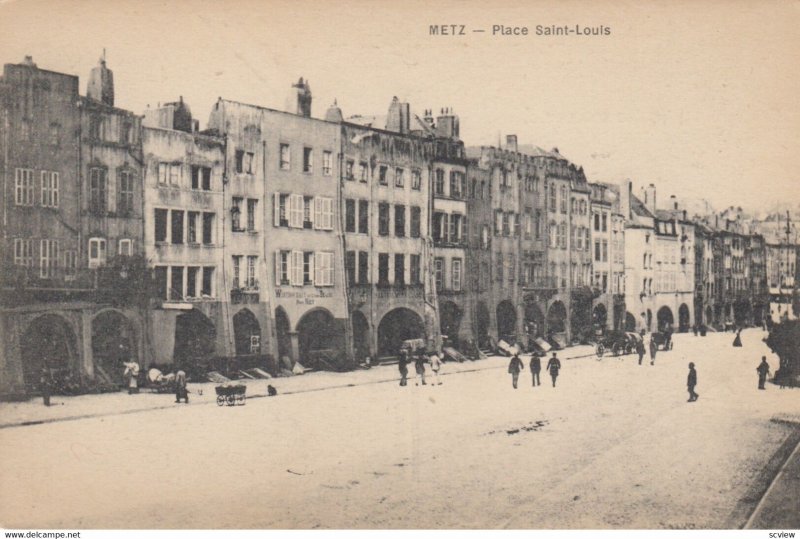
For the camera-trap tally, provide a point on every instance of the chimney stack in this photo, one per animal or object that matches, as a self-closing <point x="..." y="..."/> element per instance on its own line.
<point x="625" y="194"/>
<point x="447" y="124"/>
<point x="650" y="198"/>
<point x="101" y="83"/>
<point x="511" y="143"/>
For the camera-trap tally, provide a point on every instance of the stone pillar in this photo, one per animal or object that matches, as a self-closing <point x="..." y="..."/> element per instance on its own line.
<point x="85" y="356"/>
<point x="294" y="341"/>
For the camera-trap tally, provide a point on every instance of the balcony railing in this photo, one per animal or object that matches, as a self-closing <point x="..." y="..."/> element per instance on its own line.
<point x="540" y="283"/>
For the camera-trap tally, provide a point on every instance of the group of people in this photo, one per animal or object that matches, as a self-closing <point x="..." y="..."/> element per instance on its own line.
<point x="420" y="358"/>
<point x="516" y="366"/>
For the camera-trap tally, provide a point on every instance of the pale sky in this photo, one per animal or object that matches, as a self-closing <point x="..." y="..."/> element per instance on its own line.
<point x="700" y="98"/>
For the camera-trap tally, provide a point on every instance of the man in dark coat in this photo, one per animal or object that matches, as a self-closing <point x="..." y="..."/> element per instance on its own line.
<point x="180" y="387"/>
<point x="763" y="371"/>
<point x="514" y="367"/>
<point x="554" y="365"/>
<point x="640" y="349"/>
<point x="419" y="367"/>
<point x="402" y="365"/>
<point x="653" y="350"/>
<point x="691" y="382"/>
<point x="536" y="368"/>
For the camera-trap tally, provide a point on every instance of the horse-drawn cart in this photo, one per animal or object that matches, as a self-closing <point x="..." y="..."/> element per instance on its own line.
<point x="231" y="394"/>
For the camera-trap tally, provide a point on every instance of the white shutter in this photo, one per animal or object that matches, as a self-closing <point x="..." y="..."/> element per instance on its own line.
<point x="276" y="209"/>
<point x="277" y="257"/>
<point x="297" y="268"/>
<point x="329" y="269"/>
<point x="319" y="260"/>
<point x="329" y="213"/>
<point x="296" y="211"/>
<point x="319" y="220"/>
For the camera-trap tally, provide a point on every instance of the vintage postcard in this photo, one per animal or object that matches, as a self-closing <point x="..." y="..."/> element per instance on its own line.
<point x="383" y="265"/>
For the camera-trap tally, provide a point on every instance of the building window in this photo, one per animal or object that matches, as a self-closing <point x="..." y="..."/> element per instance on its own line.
<point x="70" y="263"/>
<point x="363" y="216"/>
<point x="414" y="270"/>
<point x="323" y="213"/>
<point x="191" y="226"/>
<point x="438" y="185"/>
<point x="553" y="205"/>
<point x="252" y="204"/>
<point x="97" y="252"/>
<point x="208" y="228"/>
<point x="174" y="174"/>
<point x="24" y="186"/>
<point x="48" y="258"/>
<point x="308" y="218"/>
<point x="286" y="157"/>
<point x="251" y="281"/>
<point x="327" y="163"/>
<point x="383" y="269"/>
<point x="97" y="190"/>
<point x="506" y="224"/>
<point x="399" y="269"/>
<point x="125" y="194"/>
<point x="95" y="128"/>
<point x="399" y="220"/>
<point x="457" y="186"/>
<point x="201" y="178"/>
<point x="399" y="177"/>
<point x="416" y="180"/>
<point x="208" y="280"/>
<point x="363" y="172"/>
<point x="296" y="210"/>
<point x="177" y="226"/>
<point x="160" y="226"/>
<point x="244" y="162"/>
<point x="499" y="266"/>
<point x="236" y="214"/>
<point x="439" y="226"/>
<point x="383" y="219"/>
<point x="605" y="222"/>
<point x="455" y="270"/>
<point x="363" y="267"/>
<point x="564" y="199"/>
<point x="308" y="267"/>
<point x="191" y="281"/>
<point x="176" y="283"/>
<point x="383" y="172"/>
<point x="350" y="267"/>
<point x="438" y="273"/>
<point x="512" y="267"/>
<point x="348" y="170"/>
<point x="308" y="160"/>
<point x="49" y="195"/>
<point x="237" y="271"/>
<point x="125" y="247"/>
<point x="416" y="213"/>
<point x="349" y="215"/>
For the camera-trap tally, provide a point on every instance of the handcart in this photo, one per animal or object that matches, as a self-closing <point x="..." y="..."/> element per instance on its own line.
<point x="231" y="394"/>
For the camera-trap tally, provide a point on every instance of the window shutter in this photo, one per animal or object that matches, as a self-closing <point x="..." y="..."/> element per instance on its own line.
<point x="329" y="213"/>
<point x="464" y="229"/>
<point x="297" y="268"/>
<point x="277" y="257"/>
<point x="319" y="222"/>
<point x="296" y="211"/>
<point x="329" y="277"/>
<point x="318" y="271"/>
<point x="276" y="209"/>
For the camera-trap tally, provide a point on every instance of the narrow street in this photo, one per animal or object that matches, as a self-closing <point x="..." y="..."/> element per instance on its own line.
<point x="614" y="445"/>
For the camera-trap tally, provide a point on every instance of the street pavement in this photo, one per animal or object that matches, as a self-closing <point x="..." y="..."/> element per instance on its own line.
<point x="614" y="445"/>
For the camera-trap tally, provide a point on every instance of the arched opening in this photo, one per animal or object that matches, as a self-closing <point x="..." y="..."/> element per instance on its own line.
<point x="709" y="321"/>
<point x="450" y="320"/>
<point x="742" y="312"/>
<point x="506" y="321"/>
<point x="360" y="335"/>
<point x="630" y="321"/>
<point x="48" y="342"/>
<point x="397" y="326"/>
<point x="246" y="333"/>
<point x="194" y="339"/>
<point x="684" y="318"/>
<point x="664" y="318"/>
<point x="556" y="318"/>
<point x="113" y="343"/>
<point x="599" y="316"/>
<point x="318" y="339"/>
<point x="534" y="320"/>
<point x="282" y="330"/>
<point x="483" y="321"/>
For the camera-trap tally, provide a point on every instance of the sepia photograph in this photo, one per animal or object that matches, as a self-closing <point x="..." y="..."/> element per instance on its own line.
<point x="293" y="265"/>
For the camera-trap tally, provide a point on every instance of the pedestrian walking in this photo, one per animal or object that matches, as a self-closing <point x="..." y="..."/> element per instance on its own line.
<point x="653" y="350"/>
<point x="46" y="384"/>
<point x="737" y="342"/>
<point x="419" y="367"/>
<point x="763" y="371"/>
<point x="640" y="349"/>
<point x="514" y="367"/>
<point x="536" y="368"/>
<point x="402" y="365"/>
<point x="554" y="365"/>
<point x="436" y="365"/>
<point x="132" y="375"/>
<point x="180" y="387"/>
<point x="691" y="382"/>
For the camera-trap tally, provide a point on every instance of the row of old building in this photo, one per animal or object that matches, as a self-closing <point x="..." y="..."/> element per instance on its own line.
<point x="273" y="233"/>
